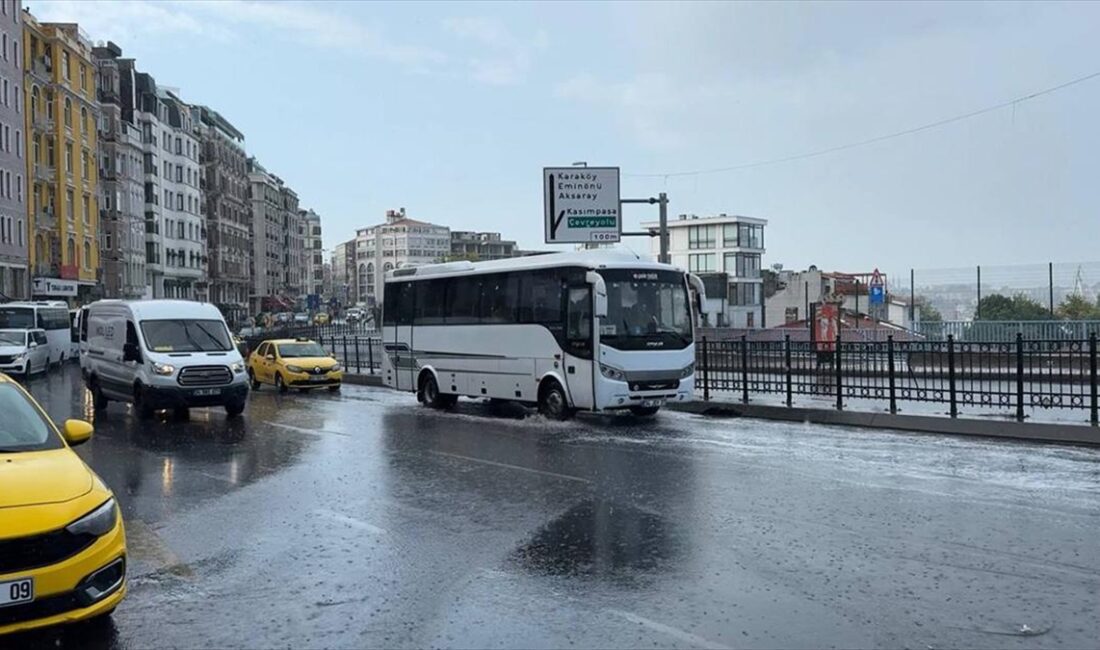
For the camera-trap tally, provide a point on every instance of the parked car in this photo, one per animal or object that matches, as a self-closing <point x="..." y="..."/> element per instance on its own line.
<point x="321" y="318"/>
<point x="184" y="357"/>
<point x="301" y="318"/>
<point x="24" y="351"/>
<point x="293" y="363"/>
<point x="64" y="546"/>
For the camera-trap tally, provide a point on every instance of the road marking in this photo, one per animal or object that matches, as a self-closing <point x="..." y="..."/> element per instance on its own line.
<point x="305" y="430"/>
<point x="676" y="633"/>
<point x="350" y="521"/>
<point x="507" y="466"/>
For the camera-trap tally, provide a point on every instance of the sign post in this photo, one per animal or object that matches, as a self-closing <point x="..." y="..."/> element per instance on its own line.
<point x="582" y="205"/>
<point x="876" y="290"/>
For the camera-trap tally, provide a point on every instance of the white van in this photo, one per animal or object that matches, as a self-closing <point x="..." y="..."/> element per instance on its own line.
<point x="161" y="354"/>
<point x="24" y="352"/>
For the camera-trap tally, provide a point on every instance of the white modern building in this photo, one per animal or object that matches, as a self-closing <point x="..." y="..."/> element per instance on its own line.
<point x="398" y="242"/>
<point x="727" y="250"/>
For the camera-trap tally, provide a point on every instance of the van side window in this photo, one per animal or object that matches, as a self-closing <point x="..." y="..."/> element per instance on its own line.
<point x="84" y="326"/>
<point x="40" y="338"/>
<point x="131" y="333"/>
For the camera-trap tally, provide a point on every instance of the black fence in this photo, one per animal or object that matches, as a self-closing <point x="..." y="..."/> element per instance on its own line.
<point x="1018" y="375"/>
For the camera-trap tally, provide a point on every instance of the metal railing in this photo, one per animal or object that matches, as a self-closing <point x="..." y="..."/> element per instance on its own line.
<point x="1019" y="375"/>
<point x="1061" y="330"/>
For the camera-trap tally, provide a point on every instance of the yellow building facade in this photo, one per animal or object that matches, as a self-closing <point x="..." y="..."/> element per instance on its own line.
<point x="62" y="171"/>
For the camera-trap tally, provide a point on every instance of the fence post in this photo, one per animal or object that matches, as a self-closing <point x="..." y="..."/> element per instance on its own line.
<point x="1019" y="377"/>
<point x="358" y="368"/>
<point x="839" y="380"/>
<point x="706" y="372"/>
<point x="370" y="354"/>
<point x="744" y="369"/>
<point x="787" y="360"/>
<point x="951" y="374"/>
<point x="1093" y="406"/>
<point x="890" y="369"/>
<point x="346" y="351"/>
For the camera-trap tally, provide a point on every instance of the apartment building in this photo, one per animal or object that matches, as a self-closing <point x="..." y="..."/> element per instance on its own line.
<point x="399" y="241"/>
<point x="293" y="240"/>
<point x="277" y="241"/>
<point x="313" y="262"/>
<point x="14" y="240"/>
<point x="480" y="246"/>
<point x="225" y="186"/>
<point x="729" y="247"/>
<point x="59" y="87"/>
<point x="121" y="183"/>
<point x="343" y="272"/>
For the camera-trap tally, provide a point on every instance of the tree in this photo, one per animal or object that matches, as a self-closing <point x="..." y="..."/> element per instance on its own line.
<point x="927" y="313"/>
<point x="1019" y="307"/>
<point x="1076" y="307"/>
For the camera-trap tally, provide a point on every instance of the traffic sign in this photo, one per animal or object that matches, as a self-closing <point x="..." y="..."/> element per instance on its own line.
<point x="581" y="205"/>
<point x="876" y="291"/>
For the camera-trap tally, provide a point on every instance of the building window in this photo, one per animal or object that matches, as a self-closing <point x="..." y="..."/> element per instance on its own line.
<point x="65" y="66"/>
<point x="729" y="235"/>
<point x="69" y="157"/>
<point x="742" y="265"/>
<point x="83" y="77"/>
<point x="85" y="204"/>
<point x="700" y="237"/>
<point x="87" y="255"/>
<point x="750" y="235"/>
<point x="68" y="115"/>
<point x="744" y="294"/>
<point x="70" y="208"/>
<point x="702" y="262"/>
<point x="84" y="126"/>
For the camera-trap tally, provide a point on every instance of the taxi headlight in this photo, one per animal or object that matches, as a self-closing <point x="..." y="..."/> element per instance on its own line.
<point x="335" y="368"/>
<point x="164" y="369"/>
<point x="98" y="522"/>
<point x="293" y="368"/>
<point x="612" y="373"/>
<point x="688" y="371"/>
<point x="238" y="367"/>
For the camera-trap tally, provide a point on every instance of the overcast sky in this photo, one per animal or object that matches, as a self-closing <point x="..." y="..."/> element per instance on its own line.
<point x="451" y="110"/>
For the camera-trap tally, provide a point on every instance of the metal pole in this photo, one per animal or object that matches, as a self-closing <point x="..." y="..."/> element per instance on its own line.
<point x="744" y="369"/>
<point x="370" y="354"/>
<point x="1050" y="285"/>
<point x="358" y="369"/>
<point x="706" y="372"/>
<point x="978" y="309"/>
<point x="890" y="368"/>
<point x="912" y="299"/>
<point x="951" y="374"/>
<point x="1093" y="406"/>
<point x="787" y="359"/>
<point x="806" y="294"/>
<point x="345" y="350"/>
<point x="857" y="303"/>
<point x="839" y="380"/>
<point x="662" y="201"/>
<point x="1019" y="377"/>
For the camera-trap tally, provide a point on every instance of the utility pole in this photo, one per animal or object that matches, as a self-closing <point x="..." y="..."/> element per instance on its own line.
<point x="662" y="225"/>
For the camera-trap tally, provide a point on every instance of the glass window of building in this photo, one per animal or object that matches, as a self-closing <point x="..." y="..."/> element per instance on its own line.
<point x="701" y="237"/>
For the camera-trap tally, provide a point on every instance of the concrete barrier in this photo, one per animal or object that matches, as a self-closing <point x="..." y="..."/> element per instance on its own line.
<point x="1075" y="434"/>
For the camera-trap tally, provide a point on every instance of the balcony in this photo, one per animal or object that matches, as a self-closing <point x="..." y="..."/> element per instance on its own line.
<point x="108" y="173"/>
<point x="45" y="219"/>
<point x="41" y="122"/>
<point x="42" y="66"/>
<point x="108" y="96"/>
<point x="44" y="173"/>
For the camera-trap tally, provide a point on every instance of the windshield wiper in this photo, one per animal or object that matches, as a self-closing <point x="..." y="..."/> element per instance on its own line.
<point x="211" y="337"/>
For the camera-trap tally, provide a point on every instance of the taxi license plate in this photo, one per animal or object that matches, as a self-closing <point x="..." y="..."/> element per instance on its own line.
<point x="15" y="592"/>
<point x="206" y="392"/>
<point x="318" y="380"/>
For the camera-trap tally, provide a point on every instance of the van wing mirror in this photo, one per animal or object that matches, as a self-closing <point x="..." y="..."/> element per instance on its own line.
<point x="599" y="291"/>
<point x="32" y="345"/>
<point x="130" y="352"/>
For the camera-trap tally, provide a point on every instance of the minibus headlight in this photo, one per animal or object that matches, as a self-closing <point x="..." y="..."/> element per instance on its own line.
<point x="165" y="369"/>
<point x="98" y="522"/>
<point x="612" y="373"/>
<point x="688" y="371"/>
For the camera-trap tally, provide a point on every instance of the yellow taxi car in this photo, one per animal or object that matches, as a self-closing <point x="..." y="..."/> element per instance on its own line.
<point x="62" y="544"/>
<point x="293" y="363"/>
<point x="321" y="318"/>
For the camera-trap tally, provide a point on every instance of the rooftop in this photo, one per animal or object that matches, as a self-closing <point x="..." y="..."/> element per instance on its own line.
<point x="695" y="220"/>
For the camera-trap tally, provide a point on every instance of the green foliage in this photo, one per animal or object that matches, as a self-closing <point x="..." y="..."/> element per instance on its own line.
<point x="1019" y="307"/>
<point x="1076" y="307"/>
<point x="926" y="313"/>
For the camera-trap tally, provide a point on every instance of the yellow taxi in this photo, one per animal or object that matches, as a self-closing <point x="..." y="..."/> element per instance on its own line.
<point x="293" y="363"/>
<point x="62" y="544"/>
<point x="321" y="318"/>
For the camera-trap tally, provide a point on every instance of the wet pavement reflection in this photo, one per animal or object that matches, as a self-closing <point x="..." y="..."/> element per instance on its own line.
<point x="361" y="519"/>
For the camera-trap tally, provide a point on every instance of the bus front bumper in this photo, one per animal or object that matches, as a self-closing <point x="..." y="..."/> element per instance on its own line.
<point x="622" y="395"/>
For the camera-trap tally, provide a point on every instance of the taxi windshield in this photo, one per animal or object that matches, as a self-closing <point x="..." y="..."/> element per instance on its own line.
<point x="23" y="428"/>
<point x="301" y="350"/>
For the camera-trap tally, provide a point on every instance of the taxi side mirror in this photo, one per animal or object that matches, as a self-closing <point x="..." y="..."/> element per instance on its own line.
<point x="270" y="357"/>
<point x="76" y="432"/>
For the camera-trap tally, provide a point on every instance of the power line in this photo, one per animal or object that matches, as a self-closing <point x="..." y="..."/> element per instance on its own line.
<point x="888" y="136"/>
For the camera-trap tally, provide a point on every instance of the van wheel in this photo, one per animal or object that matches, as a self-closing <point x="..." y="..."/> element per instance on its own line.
<point x="144" y="409"/>
<point x="430" y="394"/>
<point x="280" y="385"/>
<point x="553" y="403"/>
<point x="99" y="400"/>
<point x="255" y="383"/>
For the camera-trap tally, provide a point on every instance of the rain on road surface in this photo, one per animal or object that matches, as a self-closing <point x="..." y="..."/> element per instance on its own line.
<point x="362" y="519"/>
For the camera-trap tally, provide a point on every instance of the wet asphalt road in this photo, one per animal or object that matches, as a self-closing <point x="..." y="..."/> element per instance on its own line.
<point x="364" y="520"/>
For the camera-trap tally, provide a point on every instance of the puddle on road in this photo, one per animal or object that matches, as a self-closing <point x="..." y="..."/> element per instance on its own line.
<point x="598" y="538"/>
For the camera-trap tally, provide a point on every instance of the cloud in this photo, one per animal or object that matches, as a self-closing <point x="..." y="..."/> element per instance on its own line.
<point x="501" y="58"/>
<point x="125" y="21"/>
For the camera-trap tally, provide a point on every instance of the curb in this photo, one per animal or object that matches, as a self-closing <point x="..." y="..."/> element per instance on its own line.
<point x="363" y="380"/>
<point x="1075" y="434"/>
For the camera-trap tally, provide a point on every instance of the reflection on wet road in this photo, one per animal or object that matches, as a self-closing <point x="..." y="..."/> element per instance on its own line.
<point x="361" y="519"/>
